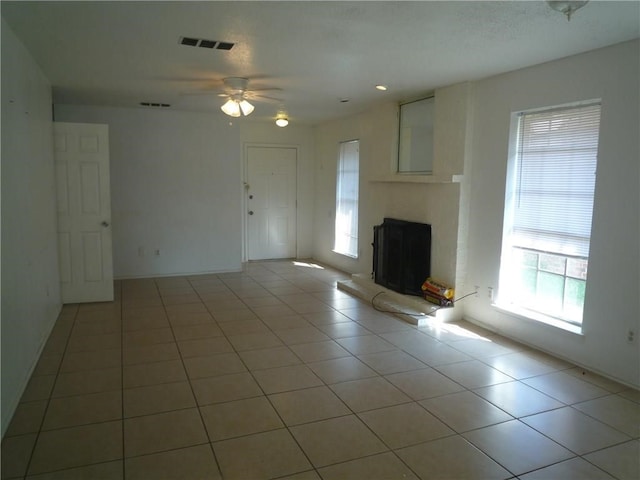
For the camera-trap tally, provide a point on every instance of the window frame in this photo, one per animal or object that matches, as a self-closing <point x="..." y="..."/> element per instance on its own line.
<point x="345" y="238"/>
<point x="507" y="298"/>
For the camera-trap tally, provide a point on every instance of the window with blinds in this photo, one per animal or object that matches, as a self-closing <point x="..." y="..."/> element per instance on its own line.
<point x="549" y="209"/>
<point x="347" y="186"/>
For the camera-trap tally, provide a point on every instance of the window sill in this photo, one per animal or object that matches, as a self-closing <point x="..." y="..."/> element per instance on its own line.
<point x="348" y="255"/>
<point x="413" y="178"/>
<point x="528" y="315"/>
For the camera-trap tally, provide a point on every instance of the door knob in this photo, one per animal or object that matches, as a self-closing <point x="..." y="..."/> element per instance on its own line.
<point x="105" y="224"/>
<point x="250" y="212"/>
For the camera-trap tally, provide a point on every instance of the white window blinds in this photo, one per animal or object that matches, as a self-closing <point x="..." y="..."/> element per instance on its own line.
<point x="346" y="226"/>
<point x="555" y="179"/>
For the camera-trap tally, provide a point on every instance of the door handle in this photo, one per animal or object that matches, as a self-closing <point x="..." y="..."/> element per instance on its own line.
<point x="250" y="212"/>
<point x="105" y="223"/>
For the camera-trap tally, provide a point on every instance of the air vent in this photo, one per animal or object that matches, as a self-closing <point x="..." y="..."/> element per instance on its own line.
<point x="225" y="46"/>
<point x="207" y="43"/>
<point x="203" y="43"/>
<point x="192" y="42"/>
<point x="155" y="105"/>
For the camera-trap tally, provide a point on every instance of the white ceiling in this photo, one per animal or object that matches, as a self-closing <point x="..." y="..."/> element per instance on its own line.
<point x="316" y="53"/>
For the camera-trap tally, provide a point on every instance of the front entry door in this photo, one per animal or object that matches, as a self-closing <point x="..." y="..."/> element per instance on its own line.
<point x="84" y="212"/>
<point x="271" y="202"/>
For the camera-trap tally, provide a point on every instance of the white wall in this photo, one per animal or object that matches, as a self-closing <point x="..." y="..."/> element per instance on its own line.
<point x="30" y="279"/>
<point x="176" y="186"/>
<point x="612" y="299"/>
<point x="383" y="194"/>
<point x="471" y="138"/>
<point x="375" y="131"/>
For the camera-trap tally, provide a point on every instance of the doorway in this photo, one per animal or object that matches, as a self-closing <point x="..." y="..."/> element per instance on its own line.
<point x="271" y="191"/>
<point x="84" y="212"/>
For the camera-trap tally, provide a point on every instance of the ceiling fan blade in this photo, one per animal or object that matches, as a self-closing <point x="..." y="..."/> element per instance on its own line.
<point x="237" y="87"/>
<point x="205" y="93"/>
<point x="265" y="98"/>
<point x="265" y="89"/>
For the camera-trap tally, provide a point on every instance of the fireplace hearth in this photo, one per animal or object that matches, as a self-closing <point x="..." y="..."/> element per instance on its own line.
<point x="401" y="255"/>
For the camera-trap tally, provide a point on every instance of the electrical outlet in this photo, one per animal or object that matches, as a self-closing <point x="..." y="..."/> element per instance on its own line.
<point x="631" y="336"/>
<point x="490" y="293"/>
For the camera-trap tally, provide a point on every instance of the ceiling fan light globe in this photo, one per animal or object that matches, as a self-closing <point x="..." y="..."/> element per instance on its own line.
<point x="567" y="7"/>
<point x="231" y="108"/>
<point x="246" y="107"/>
<point x="282" y="122"/>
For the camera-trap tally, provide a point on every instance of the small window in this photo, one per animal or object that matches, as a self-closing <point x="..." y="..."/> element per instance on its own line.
<point x="548" y="209"/>
<point x="346" y="227"/>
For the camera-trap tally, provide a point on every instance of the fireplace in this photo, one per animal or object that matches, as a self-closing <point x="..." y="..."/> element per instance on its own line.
<point x="401" y="255"/>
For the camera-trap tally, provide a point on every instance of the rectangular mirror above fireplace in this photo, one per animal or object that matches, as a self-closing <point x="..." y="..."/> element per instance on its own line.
<point x="415" y="137"/>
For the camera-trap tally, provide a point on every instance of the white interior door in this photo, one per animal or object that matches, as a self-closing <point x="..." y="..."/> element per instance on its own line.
<point x="271" y="202"/>
<point x="84" y="212"/>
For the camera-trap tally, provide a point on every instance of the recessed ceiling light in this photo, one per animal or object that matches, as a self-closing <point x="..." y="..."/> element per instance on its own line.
<point x="382" y="88"/>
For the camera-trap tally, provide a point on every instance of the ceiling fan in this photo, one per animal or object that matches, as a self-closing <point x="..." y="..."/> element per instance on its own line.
<point x="237" y="93"/>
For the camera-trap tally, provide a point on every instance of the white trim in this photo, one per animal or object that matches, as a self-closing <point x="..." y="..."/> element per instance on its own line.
<point x="418" y="178"/>
<point x="243" y="186"/>
<point x="529" y="315"/>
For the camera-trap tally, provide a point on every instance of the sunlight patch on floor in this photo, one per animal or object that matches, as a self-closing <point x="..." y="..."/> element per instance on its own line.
<point x="307" y="265"/>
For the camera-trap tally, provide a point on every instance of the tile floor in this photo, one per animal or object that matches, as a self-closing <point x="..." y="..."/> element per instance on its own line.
<point x="274" y="373"/>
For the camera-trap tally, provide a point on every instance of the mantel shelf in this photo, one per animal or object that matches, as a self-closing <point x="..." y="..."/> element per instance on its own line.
<point x="434" y="179"/>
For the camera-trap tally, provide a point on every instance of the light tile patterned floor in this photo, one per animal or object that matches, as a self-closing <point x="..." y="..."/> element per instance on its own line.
<point x="274" y="373"/>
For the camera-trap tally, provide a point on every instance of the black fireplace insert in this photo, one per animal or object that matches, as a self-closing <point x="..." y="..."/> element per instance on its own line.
<point x="401" y="255"/>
